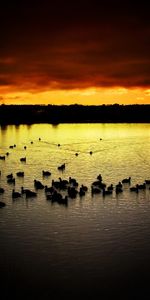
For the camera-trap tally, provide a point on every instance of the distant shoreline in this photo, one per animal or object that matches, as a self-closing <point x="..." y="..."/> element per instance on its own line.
<point x="54" y="114"/>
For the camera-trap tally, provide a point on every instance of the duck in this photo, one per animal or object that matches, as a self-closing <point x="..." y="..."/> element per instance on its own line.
<point x="119" y="185"/>
<point x="84" y="188"/>
<point x="73" y="182"/>
<point x="20" y="174"/>
<point x="64" y="200"/>
<point x="110" y="187"/>
<point x="56" y="197"/>
<point x="11" y="180"/>
<point x="147" y="181"/>
<point x="95" y="190"/>
<point x="106" y="192"/>
<point x="10" y="175"/>
<point x="15" y="194"/>
<point x="134" y="189"/>
<point x="81" y="192"/>
<point x="62" y="167"/>
<point x="118" y="189"/>
<point x="126" y="180"/>
<point x="141" y="186"/>
<point x="2" y="204"/>
<point x="38" y="184"/>
<point x="63" y="184"/>
<point x="49" y="189"/>
<point x="99" y="177"/>
<point x="56" y="184"/>
<point x="2" y="190"/>
<point x="23" y="159"/>
<point x="28" y="192"/>
<point x="72" y="192"/>
<point x="2" y="157"/>
<point x="46" y="173"/>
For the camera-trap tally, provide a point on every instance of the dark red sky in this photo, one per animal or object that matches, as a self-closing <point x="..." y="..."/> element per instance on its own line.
<point x="70" y="44"/>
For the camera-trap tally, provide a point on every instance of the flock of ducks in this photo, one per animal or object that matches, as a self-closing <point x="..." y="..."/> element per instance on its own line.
<point x="61" y="190"/>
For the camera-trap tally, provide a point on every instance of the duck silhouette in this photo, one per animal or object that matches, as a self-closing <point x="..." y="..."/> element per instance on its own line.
<point x="2" y="204"/>
<point x="15" y="194"/>
<point x="2" y="190"/>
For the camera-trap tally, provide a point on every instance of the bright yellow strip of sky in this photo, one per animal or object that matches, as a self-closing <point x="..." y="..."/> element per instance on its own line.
<point x="89" y="96"/>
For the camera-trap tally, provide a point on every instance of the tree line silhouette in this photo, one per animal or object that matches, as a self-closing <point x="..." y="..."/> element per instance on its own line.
<point x="55" y="114"/>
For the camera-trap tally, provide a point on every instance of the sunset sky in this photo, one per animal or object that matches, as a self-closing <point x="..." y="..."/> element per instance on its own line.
<point x="64" y="52"/>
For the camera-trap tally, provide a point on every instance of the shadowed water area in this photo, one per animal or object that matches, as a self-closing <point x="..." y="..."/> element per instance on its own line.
<point x="95" y="245"/>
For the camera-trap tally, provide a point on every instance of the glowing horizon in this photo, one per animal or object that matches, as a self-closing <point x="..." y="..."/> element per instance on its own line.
<point x="88" y="96"/>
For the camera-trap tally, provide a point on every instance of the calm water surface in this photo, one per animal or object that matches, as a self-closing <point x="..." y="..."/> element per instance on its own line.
<point x="95" y="244"/>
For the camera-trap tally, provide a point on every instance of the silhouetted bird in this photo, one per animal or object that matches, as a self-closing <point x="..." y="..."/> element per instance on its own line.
<point x="84" y="188"/>
<point x="64" y="201"/>
<point x="73" y="182"/>
<point x="38" y="185"/>
<point x="15" y="194"/>
<point x="49" y="189"/>
<point x="23" y="159"/>
<point x="118" y="189"/>
<point x="107" y="192"/>
<point x="2" y="157"/>
<point x="10" y="175"/>
<point x="2" y="190"/>
<point x="72" y="192"/>
<point x="95" y="190"/>
<point x="147" y="181"/>
<point x="28" y="193"/>
<point x="2" y="204"/>
<point x="20" y="174"/>
<point x="126" y="180"/>
<point x="99" y="177"/>
<point x="81" y="192"/>
<point x="46" y="173"/>
<point x="134" y="189"/>
<point x="141" y="186"/>
<point x="62" y="167"/>
<point x="11" y="180"/>
<point x="110" y="187"/>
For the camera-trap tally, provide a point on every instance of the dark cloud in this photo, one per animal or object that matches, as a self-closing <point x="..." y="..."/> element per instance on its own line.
<point x="74" y="44"/>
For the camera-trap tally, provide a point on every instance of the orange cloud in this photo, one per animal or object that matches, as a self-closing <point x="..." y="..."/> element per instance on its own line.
<point x="74" y="46"/>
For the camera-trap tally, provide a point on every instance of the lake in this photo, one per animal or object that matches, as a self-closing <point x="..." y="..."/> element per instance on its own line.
<point x="95" y="245"/>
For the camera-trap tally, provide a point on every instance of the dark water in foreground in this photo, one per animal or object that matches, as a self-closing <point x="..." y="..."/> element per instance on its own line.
<point x="96" y="246"/>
